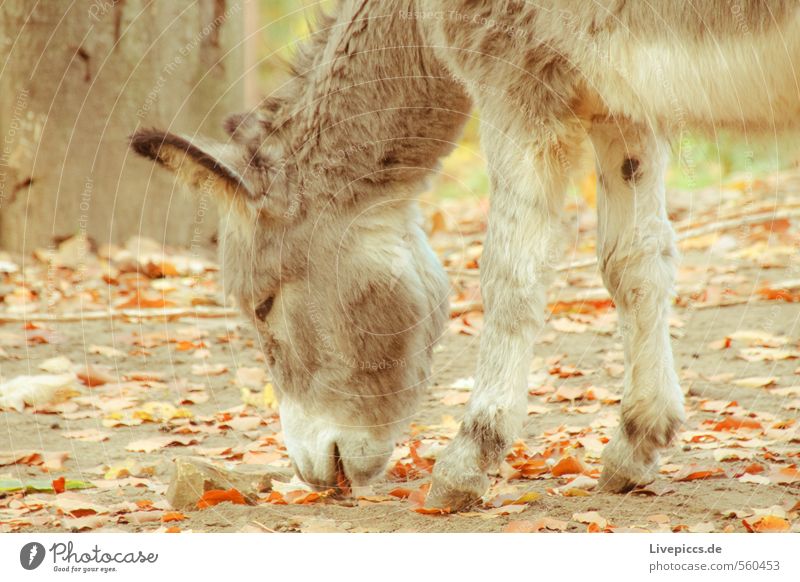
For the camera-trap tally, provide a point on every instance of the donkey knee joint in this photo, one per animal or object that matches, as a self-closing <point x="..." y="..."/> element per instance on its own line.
<point x="641" y="267"/>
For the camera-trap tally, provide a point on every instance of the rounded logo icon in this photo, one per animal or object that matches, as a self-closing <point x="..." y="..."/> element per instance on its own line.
<point x="31" y="555"/>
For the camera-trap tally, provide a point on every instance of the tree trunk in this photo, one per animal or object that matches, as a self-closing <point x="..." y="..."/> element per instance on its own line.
<point x="76" y="79"/>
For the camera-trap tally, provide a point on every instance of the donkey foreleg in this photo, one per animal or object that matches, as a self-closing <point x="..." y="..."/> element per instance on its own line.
<point x="637" y="255"/>
<point x="528" y="177"/>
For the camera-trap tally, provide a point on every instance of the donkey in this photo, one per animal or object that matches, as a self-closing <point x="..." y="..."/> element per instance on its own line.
<point x="391" y="83"/>
<point x="346" y="295"/>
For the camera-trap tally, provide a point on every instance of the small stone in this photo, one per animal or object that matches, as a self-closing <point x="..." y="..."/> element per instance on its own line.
<point x="194" y="476"/>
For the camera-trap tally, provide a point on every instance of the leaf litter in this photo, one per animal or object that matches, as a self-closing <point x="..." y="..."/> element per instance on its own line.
<point x="166" y="383"/>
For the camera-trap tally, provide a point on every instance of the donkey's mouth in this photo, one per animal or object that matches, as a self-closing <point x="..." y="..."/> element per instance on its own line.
<point x="343" y="483"/>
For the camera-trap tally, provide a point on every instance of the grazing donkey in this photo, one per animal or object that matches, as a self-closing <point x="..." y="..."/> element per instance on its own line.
<point x="334" y="270"/>
<point x="392" y="82"/>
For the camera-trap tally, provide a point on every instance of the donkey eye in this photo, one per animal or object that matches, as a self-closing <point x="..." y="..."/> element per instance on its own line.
<point x="264" y="308"/>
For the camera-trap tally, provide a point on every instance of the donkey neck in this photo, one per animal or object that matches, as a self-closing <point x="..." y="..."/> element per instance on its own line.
<point x="376" y="107"/>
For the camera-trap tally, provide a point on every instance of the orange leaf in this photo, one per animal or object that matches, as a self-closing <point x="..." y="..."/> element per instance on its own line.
<point x="305" y="497"/>
<point x="93" y="377"/>
<point x="401" y="493"/>
<point x="144" y="503"/>
<point x="730" y="424"/>
<point x="59" y="485"/>
<point x="532" y="467"/>
<point x="418" y="497"/>
<point x="432" y="510"/>
<point x="567" y="466"/>
<point x="786" y="475"/>
<point x="81" y="512"/>
<point x="754" y="468"/>
<point x="768" y="523"/>
<point x="695" y="472"/>
<point x="173" y="529"/>
<point x="422" y="463"/>
<point x="139" y="302"/>
<point x="275" y="498"/>
<point x="402" y="471"/>
<point x="779" y="295"/>
<point x="217" y="496"/>
<point x="589" y="306"/>
<point x="342" y="482"/>
<point x="172" y="516"/>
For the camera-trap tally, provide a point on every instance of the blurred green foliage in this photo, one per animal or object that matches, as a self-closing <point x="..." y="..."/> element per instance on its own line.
<point x="282" y="25"/>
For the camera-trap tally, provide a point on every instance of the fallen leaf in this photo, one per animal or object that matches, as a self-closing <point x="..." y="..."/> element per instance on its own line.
<point x="88" y="435"/>
<point x="84" y="523"/>
<point x="57" y="365"/>
<point x="568" y="393"/>
<point x="591" y="517"/>
<point x="77" y="505"/>
<point x="756" y="382"/>
<point x="254" y="377"/>
<point x="785" y="475"/>
<point x="159" y="442"/>
<point x="567" y="466"/>
<point x="209" y="369"/>
<point x="432" y="510"/>
<point x="37" y="391"/>
<point x="42" y="485"/>
<point x="455" y="397"/>
<point x="93" y="376"/>
<point x="696" y="472"/>
<point x="400" y="493"/>
<point x="216" y="496"/>
<point x="732" y="424"/>
<point x="530" y="526"/>
<point x="107" y="351"/>
<point x="566" y="325"/>
<point x="59" y="485"/>
<point x="767" y="524"/>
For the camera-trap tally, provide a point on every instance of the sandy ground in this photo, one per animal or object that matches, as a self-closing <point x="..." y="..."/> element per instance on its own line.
<point x="707" y="501"/>
<point x="190" y="386"/>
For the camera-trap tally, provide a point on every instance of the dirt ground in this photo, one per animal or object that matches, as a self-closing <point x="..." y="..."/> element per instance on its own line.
<point x="166" y="388"/>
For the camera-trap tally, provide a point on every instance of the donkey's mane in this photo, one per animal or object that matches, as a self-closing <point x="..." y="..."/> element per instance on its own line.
<point x="297" y="99"/>
<point x="302" y="61"/>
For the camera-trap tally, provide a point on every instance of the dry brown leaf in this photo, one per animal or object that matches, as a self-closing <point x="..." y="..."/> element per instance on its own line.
<point x="591" y="517"/>
<point x="159" y="442"/>
<point x="756" y="382"/>
<point x="530" y="526"/>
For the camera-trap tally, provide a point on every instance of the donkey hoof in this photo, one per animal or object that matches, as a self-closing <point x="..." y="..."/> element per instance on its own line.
<point x="614" y="481"/>
<point x="456" y="491"/>
<point x="621" y="479"/>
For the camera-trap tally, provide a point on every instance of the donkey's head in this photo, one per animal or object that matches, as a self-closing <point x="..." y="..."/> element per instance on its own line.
<point x="344" y="291"/>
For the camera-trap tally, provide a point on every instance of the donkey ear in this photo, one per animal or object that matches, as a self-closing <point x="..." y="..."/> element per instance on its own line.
<point x="198" y="166"/>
